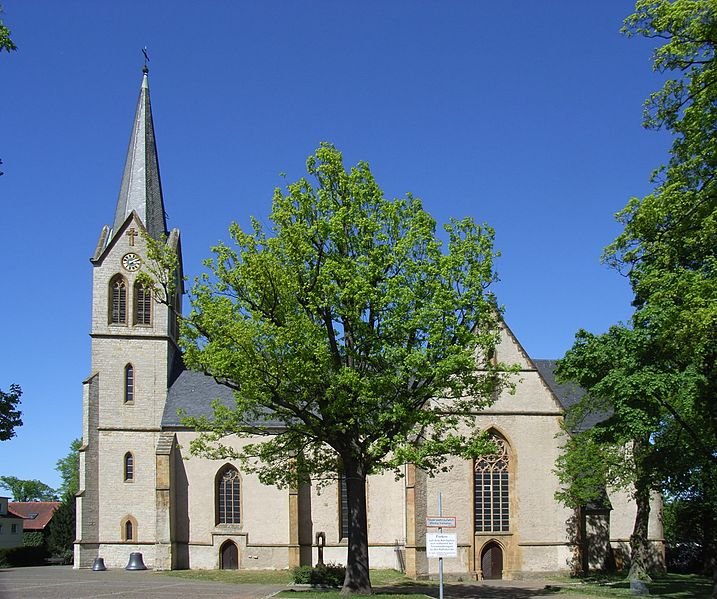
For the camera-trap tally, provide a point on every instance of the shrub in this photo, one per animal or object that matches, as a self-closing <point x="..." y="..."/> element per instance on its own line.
<point x="323" y="575"/>
<point x="23" y="556"/>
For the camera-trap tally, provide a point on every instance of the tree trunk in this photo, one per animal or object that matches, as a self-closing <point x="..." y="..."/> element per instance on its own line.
<point x="640" y="562"/>
<point x="357" y="579"/>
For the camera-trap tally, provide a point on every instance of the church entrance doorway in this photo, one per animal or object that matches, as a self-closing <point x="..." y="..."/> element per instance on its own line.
<point x="491" y="561"/>
<point x="229" y="556"/>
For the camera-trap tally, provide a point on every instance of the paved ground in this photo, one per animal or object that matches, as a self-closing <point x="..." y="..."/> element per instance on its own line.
<point x="62" y="582"/>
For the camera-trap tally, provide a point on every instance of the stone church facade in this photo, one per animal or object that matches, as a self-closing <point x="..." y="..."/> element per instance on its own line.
<point x="141" y="491"/>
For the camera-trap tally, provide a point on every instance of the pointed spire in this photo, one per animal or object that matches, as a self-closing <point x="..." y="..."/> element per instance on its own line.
<point x="141" y="188"/>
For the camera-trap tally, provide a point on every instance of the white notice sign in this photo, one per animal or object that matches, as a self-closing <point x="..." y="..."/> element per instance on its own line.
<point x="441" y="544"/>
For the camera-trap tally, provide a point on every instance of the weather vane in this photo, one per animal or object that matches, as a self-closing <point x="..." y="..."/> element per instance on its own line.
<point x="146" y="60"/>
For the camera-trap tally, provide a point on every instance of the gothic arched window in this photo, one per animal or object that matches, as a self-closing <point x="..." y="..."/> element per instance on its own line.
<point x="118" y="300"/>
<point x="492" y="490"/>
<point x="129" y="529"/>
<point x="129" y="384"/>
<point x="142" y="304"/>
<point x="228" y="496"/>
<point x="128" y="467"/>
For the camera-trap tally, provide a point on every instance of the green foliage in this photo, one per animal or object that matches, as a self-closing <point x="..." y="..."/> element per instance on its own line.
<point x="23" y="556"/>
<point x="69" y="469"/>
<point x="5" y="42"/>
<point x="343" y="327"/>
<point x="10" y="416"/>
<point x="322" y="575"/>
<point x="354" y="338"/>
<point x="28" y="490"/>
<point x="61" y="537"/>
<point x="33" y="538"/>
<point x="658" y="375"/>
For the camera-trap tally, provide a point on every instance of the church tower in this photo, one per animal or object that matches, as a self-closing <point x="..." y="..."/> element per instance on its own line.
<point x="120" y="506"/>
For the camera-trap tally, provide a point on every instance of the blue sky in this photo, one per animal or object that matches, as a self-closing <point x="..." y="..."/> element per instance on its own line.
<point x="525" y="115"/>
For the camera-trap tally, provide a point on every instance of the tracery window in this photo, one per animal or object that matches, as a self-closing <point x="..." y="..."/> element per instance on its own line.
<point x="228" y="496"/>
<point x="129" y="384"/>
<point x="492" y="490"/>
<point x="128" y="467"/>
<point x="118" y="300"/>
<point x="142" y="304"/>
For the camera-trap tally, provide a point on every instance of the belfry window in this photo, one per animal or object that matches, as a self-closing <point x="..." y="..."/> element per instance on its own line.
<point x="129" y="384"/>
<point x="142" y="305"/>
<point x="118" y="300"/>
<point x="128" y="467"/>
<point x="228" y="496"/>
<point x="492" y="491"/>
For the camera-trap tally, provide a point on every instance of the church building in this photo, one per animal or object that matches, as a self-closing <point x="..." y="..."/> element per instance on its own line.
<point x="141" y="491"/>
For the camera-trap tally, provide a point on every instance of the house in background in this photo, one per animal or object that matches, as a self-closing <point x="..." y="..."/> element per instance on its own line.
<point x="10" y="526"/>
<point x="36" y="517"/>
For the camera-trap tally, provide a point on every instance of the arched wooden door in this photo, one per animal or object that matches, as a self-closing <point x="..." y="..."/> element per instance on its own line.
<point x="491" y="561"/>
<point x="229" y="556"/>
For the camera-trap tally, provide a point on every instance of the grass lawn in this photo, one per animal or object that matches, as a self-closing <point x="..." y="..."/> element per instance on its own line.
<point x="378" y="577"/>
<point x="236" y="576"/>
<point x="673" y="586"/>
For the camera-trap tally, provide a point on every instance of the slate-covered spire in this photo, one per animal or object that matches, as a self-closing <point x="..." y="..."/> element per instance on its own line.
<point x="141" y="188"/>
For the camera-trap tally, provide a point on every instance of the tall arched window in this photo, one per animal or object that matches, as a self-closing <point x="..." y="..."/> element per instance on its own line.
<point x="129" y="384"/>
<point x="118" y="300"/>
<point x="228" y="496"/>
<point x="128" y="467"/>
<point x="492" y="491"/>
<point x="142" y="304"/>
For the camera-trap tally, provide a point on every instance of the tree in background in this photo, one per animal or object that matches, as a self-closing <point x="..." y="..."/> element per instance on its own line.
<point x="352" y="329"/>
<point x="69" y="470"/>
<point x="5" y="42"/>
<point x="61" y="537"/>
<point x="668" y="249"/>
<point x="28" y="490"/>
<point x="10" y="416"/>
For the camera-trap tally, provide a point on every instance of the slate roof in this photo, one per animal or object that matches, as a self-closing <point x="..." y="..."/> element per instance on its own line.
<point x="193" y="393"/>
<point x="141" y="188"/>
<point x="568" y="394"/>
<point x="36" y="515"/>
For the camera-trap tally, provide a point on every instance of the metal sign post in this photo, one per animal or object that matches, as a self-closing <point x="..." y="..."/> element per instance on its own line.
<point x="441" y="544"/>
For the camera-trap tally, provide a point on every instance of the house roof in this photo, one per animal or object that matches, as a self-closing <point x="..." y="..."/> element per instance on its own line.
<point x="36" y="515"/>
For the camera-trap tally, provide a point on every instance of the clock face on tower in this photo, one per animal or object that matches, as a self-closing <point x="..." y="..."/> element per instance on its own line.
<point x="131" y="262"/>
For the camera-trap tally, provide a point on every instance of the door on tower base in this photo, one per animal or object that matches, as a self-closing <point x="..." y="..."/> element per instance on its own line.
<point x="229" y="556"/>
<point x="491" y="561"/>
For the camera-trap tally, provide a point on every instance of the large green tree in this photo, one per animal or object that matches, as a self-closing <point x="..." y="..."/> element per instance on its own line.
<point x="354" y="338"/>
<point x="668" y="246"/>
<point x="10" y="416"/>
<point x="6" y="42"/>
<point x="623" y="382"/>
<point x="28" y="490"/>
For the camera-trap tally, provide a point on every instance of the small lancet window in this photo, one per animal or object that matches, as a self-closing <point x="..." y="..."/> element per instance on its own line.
<point x="129" y="384"/>
<point x="128" y="467"/>
<point x="142" y="305"/>
<point x="129" y="529"/>
<point x="118" y="300"/>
